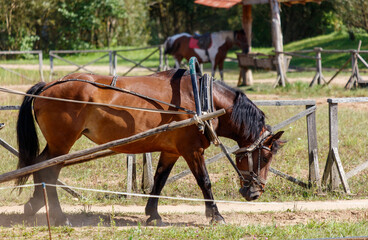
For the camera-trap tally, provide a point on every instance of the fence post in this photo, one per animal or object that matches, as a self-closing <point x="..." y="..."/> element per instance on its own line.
<point x="319" y="76"/>
<point x="333" y="166"/>
<point x="160" y="67"/>
<point x="110" y="63"/>
<point x="40" y="63"/>
<point x="51" y="65"/>
<point x="314" y="177"/>
<point x="131" y="174"/>
<point x="147" y="178"/>
<point x="115" y="63"/>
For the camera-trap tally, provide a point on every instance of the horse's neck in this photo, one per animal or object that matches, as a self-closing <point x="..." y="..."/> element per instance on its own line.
<point x="223" y="97"/>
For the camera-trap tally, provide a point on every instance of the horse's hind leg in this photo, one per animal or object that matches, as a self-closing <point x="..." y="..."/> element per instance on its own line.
<point x="163" y="170"/>
<point x="48" y="175"/>
<point x="36" y="202"/>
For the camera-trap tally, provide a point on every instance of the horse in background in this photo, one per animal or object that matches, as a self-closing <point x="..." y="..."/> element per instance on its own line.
<point x="209" y="47"/>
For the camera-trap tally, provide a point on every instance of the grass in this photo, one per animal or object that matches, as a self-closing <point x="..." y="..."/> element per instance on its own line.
<point x="312" y="229"/>
<point x="335" y="40"/>
<point x="109" y="173"/>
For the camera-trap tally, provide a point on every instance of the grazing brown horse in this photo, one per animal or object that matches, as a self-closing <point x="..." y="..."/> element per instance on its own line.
<point x="62" y="123"/>
<point x="184" y="45"/>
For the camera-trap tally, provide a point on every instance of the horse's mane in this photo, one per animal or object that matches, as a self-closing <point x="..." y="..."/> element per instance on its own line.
<point x="246" y="116"/>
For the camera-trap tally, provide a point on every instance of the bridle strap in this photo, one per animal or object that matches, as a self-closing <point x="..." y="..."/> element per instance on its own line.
<point x="251" y="148"/>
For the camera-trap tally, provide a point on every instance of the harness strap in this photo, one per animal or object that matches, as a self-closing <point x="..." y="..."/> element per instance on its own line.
<point x="113" y="82"/>
<point x="120" y="90"/>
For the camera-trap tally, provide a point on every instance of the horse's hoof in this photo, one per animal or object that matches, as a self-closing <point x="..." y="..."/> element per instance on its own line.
<point x="28" y="209"/>
<point x="156" y="222"/>
<point x="63" y="222"/>
<point x="217" y="220"/>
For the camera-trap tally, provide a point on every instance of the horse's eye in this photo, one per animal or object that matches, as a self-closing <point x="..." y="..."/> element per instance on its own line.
<point x="265" y="160"/>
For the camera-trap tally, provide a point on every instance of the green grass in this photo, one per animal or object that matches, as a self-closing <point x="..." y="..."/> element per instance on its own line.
<point x="312" y="229"/>
<point x="335" y="40"/>
<point x="110" y="173"/>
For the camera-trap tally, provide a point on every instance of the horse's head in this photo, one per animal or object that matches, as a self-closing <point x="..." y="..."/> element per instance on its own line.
<point x="254" y="162"/>
<point x="240" y="39"/>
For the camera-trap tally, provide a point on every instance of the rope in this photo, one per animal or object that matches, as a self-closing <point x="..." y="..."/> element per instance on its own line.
<point x="91" y="103"/>
<point x="136" y="194"/>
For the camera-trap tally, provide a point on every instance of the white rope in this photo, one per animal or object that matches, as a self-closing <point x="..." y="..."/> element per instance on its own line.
<point x="91" y="103"/>
<point x="21" y="186"/>
<point x="136" y="194"/>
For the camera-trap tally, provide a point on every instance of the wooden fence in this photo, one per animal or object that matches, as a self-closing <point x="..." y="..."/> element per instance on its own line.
<point x="355" y="78"/>
<point x="334" y="168"/>
<point x="40" y="63"/>
<point x="309" y="113"/>
<point x="113" y="56"/>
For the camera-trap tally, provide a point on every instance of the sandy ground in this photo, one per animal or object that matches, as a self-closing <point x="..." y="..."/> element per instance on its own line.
<point x="282" y="213"/>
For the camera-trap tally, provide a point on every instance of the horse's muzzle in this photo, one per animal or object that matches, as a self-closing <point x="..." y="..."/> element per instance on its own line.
<point x="250" y="193"/>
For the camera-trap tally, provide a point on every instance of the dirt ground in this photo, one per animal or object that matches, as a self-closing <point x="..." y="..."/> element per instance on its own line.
<point x="280" y="213"/>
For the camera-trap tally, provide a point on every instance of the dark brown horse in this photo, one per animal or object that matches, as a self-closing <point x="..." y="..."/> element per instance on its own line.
<point x="62" y="123"/>
<point x="184" y="45"/>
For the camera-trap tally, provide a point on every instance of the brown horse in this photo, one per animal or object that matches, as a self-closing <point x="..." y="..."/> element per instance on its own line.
<point x="184" y="45"/>
<point x="62" y="123"/>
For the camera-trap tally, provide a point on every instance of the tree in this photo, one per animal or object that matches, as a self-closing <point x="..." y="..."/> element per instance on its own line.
<point x="354" y="13"/>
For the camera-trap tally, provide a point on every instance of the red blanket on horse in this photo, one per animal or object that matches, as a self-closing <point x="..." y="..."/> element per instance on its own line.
<point x="193" y="43"/>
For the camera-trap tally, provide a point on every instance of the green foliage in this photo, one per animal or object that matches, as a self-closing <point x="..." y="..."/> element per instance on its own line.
<point x="72" y="24"/>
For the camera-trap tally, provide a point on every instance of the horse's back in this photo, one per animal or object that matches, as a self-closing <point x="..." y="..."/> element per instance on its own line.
<point x="64" y="121"/>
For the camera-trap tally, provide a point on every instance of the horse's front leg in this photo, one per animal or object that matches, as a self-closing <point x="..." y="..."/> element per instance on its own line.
<point x="198" y="167"/>
<point x="163" y="170"/>
<point x="221" y="70"/>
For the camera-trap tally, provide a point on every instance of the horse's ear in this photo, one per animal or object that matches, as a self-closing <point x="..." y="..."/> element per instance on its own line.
<point x="274" y="142"/>
<point x="277" y="135"/>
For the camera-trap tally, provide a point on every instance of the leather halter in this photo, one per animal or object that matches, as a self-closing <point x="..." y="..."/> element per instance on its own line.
<point x="258" y="144"/>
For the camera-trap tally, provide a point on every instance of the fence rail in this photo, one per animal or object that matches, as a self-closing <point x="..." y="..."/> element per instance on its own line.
<point x="40" y="63"/>
<point x="355" y="78"/>
<point x="113" y="56"/>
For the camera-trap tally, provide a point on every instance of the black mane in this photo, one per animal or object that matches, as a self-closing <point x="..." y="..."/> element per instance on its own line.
<point x="246" y="116"/>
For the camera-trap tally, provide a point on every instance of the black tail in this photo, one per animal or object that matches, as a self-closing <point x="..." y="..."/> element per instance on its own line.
<point x="170" y="46"/>
<point x="26" y="132"/>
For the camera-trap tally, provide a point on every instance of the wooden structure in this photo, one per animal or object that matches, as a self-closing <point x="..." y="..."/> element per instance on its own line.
<point x="277" y="38"/>
<point x="113" y="56"/>
<point x="334" y="168"/>
<point x="355" y="79"/>
<point x="40" y="62"/>
<point x="313" y="166"/>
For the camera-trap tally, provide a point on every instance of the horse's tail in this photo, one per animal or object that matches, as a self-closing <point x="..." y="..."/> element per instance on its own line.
<point x="26" y="132"/>
<point x="169" y="46"/>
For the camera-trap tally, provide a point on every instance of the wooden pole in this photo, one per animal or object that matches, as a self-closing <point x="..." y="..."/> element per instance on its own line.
<point x="246" y="76"/>
<point x="47" y="211"/>
<point x="147" y="178"/>
<point x="314" y="177"/>
<point x="51" y="66"/>
<point x="40" y="64"/>
<point x="62" y="159"/>
<point x="277" y="41"/>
